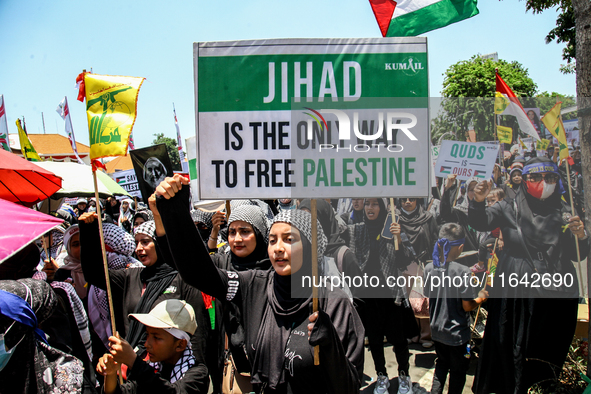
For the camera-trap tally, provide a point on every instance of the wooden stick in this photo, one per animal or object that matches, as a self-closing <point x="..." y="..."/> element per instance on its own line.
<point x="458" y="193"/>
<point x="105" y="265"/>
<point x="393" y="210"/>
<point x="315" y="269"/>
<point x="228" y="209"/>
<point x="485" y="283"/>
<point x="572" y="207"/>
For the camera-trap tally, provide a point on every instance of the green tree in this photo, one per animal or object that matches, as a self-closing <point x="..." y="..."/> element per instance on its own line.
<point x="468" y="97"/>
<point x="171" y="148"/>
<point x="564" y="32"/>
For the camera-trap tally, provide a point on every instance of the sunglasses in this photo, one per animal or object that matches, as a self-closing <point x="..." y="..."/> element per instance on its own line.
<point x="549" y="178"/>
<point x="408" y="199"/>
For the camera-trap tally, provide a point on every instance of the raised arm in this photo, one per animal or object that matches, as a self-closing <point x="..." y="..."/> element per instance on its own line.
<point x="91" y="255"/>
<point x="189" y="254"/>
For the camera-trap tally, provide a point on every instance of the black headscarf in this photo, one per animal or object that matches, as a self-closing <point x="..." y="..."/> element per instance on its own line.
<point x="283" y="310"/>
<point x="157" y="278"/>
<point x="416" y="226"/>
<point x="535" y="214"/>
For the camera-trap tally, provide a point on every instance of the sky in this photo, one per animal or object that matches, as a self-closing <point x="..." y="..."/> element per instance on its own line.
<point x="46" y="44"/>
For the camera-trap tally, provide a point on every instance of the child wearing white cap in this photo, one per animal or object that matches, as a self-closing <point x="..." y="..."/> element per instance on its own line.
<point x="170" y="364"/>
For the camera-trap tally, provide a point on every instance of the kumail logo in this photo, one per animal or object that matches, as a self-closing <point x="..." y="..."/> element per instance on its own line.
<point x="409" y="66"/>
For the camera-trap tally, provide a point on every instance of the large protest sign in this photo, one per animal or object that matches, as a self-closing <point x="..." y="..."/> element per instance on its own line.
<point x="152" y="165"/>
<point x="257" y="139"/>
<point x="466" y="159"/>
<point x="128" y="181"/>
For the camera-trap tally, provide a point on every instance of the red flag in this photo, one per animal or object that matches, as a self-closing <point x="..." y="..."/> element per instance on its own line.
<point x="96" y="164"/>
<point x="383" y="10"/>
<point x="80" y="86"/>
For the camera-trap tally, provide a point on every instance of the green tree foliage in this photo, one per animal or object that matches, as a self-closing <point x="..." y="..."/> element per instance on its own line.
<point x="468" y="97"/>
<point x="171" y="148"/>
<point x="564" y="32"/>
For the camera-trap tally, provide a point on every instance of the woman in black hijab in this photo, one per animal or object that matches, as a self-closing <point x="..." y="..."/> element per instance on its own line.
<point x="530" y="322"/>
<point x="280" y="329"/>
<point x="387" y="311"/>
<point x="137" y="290"/>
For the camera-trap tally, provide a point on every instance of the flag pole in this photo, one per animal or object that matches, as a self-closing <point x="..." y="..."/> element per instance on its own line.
<point x="105" y="265"/>
<point x="315" y="269"/>
<point x="572" y="207"/>
<point x="394" y="219"/>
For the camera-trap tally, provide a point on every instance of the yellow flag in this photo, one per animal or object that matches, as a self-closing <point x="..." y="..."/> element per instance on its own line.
<point x="523" y="146"/>
<point x="505" y="134"/>
<point x="111" y="103"/>
<point x="542" y="144"/>
<point x="26" y="147"/>
<point x="501" y="103"/>
<point x="492" y="268"/>
<point x="553" y="123"/>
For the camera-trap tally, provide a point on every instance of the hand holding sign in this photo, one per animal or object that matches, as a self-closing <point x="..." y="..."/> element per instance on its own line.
<point x="450" y="181"/>
<point x="171" y="185"/>
<point x="481" y="190"/>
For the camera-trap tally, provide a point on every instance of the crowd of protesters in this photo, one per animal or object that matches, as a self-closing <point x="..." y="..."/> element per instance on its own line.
<point x="202" y="299"/>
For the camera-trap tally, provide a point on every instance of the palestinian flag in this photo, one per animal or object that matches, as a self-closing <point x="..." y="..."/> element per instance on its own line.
<point x="445" y="170"/>
<point x="479" y="174"/>
<point x="407" y="18"/>
<point x="120" y="180"/>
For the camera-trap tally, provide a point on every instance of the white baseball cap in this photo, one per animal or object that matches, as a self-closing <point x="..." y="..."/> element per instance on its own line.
<point x="169" y="314"/>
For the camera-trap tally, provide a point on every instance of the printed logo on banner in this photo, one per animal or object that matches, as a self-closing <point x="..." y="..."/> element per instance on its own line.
<point x="409" y="66"/>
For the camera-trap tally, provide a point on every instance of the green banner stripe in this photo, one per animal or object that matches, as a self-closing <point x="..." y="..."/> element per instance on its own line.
<point x="241" y="83"/>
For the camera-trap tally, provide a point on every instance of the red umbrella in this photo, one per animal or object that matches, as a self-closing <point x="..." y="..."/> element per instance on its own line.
<point x="20" y="226"/>
<point x="24" y="182"/>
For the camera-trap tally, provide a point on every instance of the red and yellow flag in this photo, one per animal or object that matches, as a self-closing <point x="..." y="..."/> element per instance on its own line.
<point x="111" y="106"/>
<point x="554" y="124"/>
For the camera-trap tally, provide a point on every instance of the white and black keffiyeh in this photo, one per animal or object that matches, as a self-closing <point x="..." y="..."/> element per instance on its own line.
<point x="253" y="215"/>
<point x="261" y="204"/>
<point x="200" y="216"/>
<point x="148" y="228"/>
<point x="79" y="314"/>
<point x="186" y="361"/>
<point x="118" y="239"/>
<point x="302" y="220"/>
<point x="122" y="245"/>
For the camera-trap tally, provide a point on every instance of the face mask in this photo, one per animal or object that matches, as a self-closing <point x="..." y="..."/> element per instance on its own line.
<point x="540" y="190"/>
<point x="4" y="353"/>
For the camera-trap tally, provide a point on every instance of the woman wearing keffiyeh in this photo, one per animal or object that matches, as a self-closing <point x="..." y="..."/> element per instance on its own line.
<point x="280" y="328"/>
<point x="137" y="290"/>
